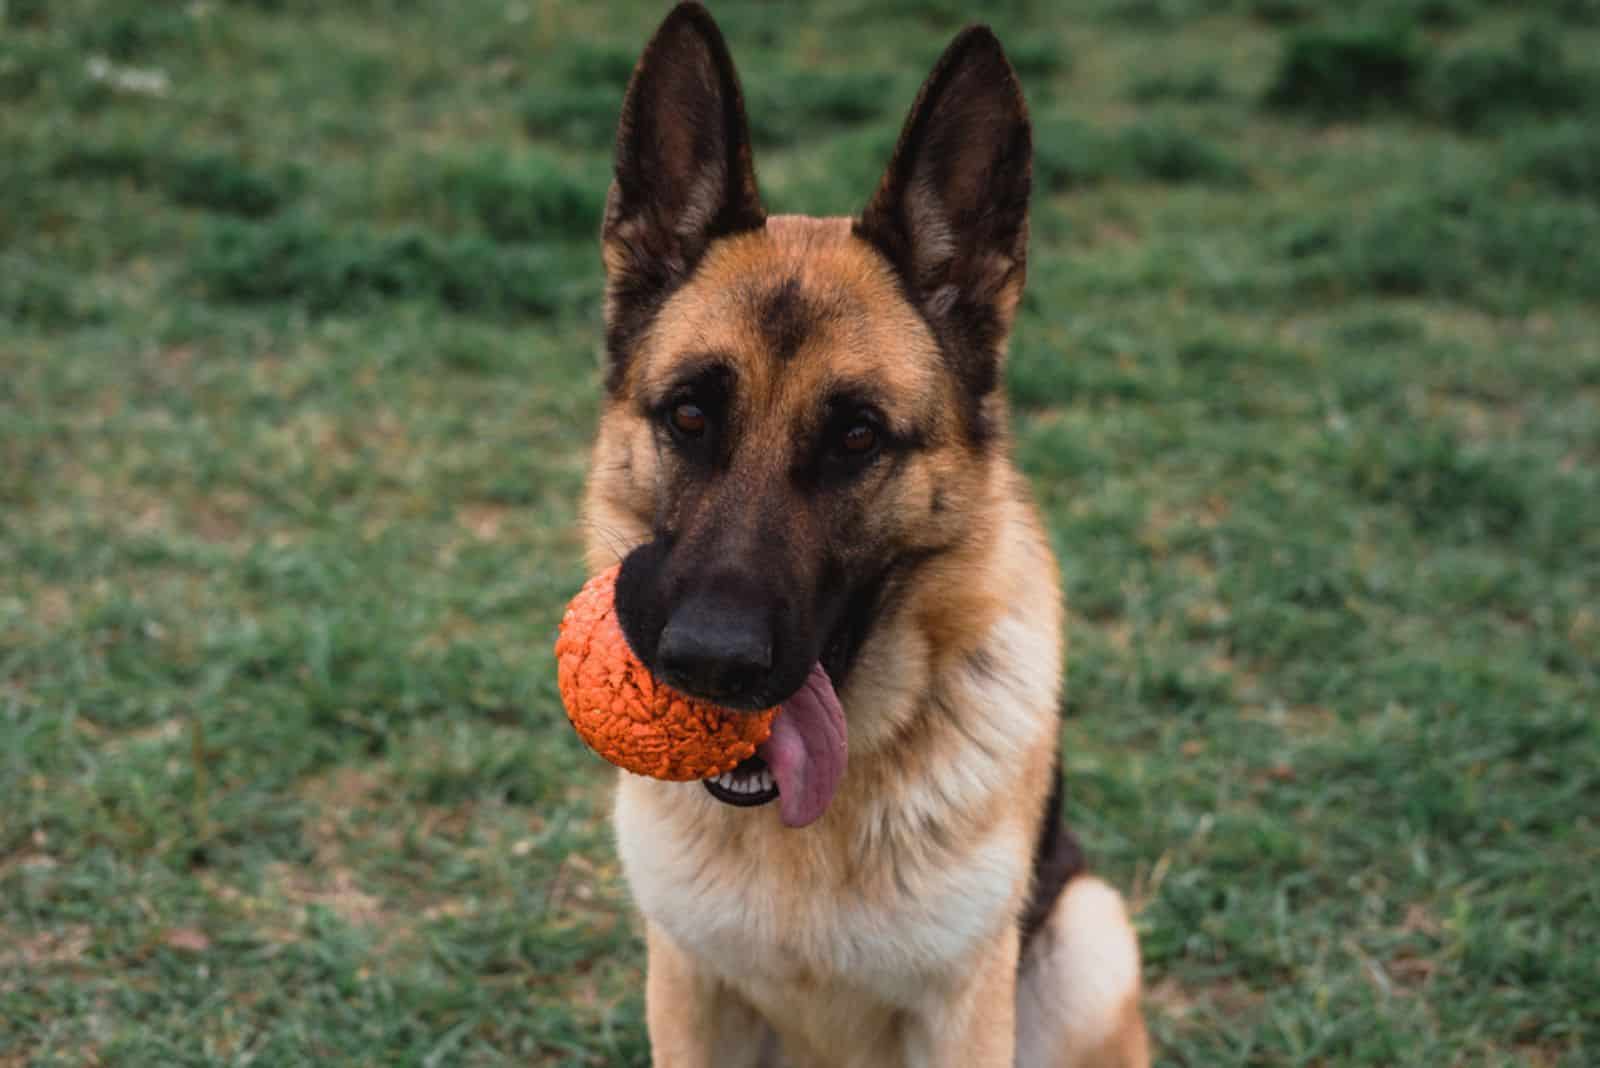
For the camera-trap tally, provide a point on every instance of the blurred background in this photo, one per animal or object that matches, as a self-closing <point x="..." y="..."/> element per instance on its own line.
<point x="299" y="331"/>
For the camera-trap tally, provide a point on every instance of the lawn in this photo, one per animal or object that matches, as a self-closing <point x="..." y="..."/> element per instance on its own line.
<point x="299" y="330"/>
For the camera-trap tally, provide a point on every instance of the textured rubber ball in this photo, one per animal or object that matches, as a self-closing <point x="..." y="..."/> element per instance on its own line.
<point x="620" y="710"/>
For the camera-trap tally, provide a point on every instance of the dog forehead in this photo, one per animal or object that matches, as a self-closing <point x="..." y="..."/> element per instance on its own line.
<point x="799" y="302"/>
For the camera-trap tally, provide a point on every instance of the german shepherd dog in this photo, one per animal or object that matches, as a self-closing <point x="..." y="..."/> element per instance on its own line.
<point x="803" y="462"/>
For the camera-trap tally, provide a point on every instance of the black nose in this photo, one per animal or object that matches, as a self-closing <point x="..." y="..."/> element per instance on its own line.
<point x="716" y="649"/>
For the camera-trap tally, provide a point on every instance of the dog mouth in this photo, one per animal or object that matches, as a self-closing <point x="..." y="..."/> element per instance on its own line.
<point x="801" y="763"/>
<point x="746" y="786"/>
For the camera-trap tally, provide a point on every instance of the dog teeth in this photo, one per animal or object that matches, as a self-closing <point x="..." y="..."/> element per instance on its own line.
<point x="760" y="782"/>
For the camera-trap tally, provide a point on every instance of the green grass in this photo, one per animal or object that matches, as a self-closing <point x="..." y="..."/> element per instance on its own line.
<point x="1349" y="71"/>
<point x="299" y="323"/>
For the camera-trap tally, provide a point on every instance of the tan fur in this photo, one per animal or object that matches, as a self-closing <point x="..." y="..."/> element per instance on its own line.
<point x="890" y="922"/>
<point x="891" y="347"/>
<point x="1078" y="992"/>
<point x="886" y="933"/>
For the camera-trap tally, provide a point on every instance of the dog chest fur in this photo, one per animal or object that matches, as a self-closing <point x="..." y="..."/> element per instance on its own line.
<point x="913" y="570"/>
<point x="774" y="925"/>
<point x="921" y="860"/>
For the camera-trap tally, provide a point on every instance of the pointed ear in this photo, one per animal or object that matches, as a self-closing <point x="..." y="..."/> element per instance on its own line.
<point x="951" y="213"/>
<point x="683" y="174"/>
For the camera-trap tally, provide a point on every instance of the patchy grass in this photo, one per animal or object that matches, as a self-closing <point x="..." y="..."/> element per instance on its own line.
<point x="1199" y="86"/>
<point x="787" y="108"/>
<point x="581" y="117"/>
<point x="528" y="199"/>
<point x="208" y="181"/>
<point x="1474" y="244"/>
<point x="1480" y="86"/>
<point x="298" y="333"/>
<point x="327" y="270"/>
<point x="1356" y="70"/>
<point x="1071" y="153"/>
<point x="33" y="294"/>
<point x="1565" y="159"/>
<point x="1349" y="71"/>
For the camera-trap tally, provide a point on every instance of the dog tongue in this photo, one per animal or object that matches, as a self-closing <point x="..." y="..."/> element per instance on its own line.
<point x="806" y="750"/>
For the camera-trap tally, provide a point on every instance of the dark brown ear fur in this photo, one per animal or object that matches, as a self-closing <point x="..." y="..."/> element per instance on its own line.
<point x="951" y="213"/>
<point x="684" y="176"/>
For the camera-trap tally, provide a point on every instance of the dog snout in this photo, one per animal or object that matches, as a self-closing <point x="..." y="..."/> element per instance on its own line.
<point x="718" y="648"/>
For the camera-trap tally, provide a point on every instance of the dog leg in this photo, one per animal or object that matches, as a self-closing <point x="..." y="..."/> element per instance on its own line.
<point x="977" y="1026"/>
<point x="696" y="1020"/>
<point x="1078" y="988"/>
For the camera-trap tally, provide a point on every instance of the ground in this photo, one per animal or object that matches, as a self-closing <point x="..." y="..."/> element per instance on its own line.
<point x="299" y="330"/>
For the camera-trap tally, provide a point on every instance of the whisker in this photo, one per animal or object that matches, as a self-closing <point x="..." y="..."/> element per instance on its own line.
<point x="615" y="541"/>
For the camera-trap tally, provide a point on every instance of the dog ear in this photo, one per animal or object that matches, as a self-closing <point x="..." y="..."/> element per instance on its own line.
<point x="951" y="213"/>
<point x="683" y="175"/>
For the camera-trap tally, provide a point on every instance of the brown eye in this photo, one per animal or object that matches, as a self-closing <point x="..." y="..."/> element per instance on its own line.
<point x="859" y="440"/>
<point x="689" y="420"/>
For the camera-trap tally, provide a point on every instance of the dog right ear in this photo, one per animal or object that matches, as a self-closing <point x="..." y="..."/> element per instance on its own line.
<point x="951" y="212"/>
<point x="684" y="175"/>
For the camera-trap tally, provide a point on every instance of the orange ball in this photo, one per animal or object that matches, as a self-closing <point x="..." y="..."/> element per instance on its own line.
<point x="625" y="715"/>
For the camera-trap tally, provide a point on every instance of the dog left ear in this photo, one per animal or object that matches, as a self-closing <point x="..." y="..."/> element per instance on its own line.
<point x="951" y="213"/>
<point x="683" y="178"/>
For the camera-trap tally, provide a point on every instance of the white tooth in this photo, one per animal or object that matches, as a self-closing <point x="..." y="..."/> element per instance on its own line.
<point x="765" y="781"/>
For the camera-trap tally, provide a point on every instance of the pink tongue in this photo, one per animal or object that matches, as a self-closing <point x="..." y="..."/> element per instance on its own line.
<point x="806" y="750"/>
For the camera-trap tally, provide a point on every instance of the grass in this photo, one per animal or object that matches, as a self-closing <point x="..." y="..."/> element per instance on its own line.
<point x="327" y="270"/>
<point x="1482" y="86"/>
<point x="1353" y="70"/>
<point x="1071" y="153"/>
<point x="299" y="321"/>
<point x="207" y="181"/>
<point x="1564" y="159"/>
<point x="1348" y="71"/>
<point x="1202" y="85"/>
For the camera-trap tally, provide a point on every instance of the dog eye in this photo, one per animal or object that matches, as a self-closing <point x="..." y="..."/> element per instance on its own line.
<point x="689" y="420"/>
<point x="858" y="440"/>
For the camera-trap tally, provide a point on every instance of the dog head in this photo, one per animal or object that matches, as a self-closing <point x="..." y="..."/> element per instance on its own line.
<point x="800" y="413"/>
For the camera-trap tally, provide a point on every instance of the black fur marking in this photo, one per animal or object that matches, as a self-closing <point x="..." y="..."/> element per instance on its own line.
<point x="707" y="382"/>
<point x="848" y="402"/>
<point x="786" y="317"/>
<point x="636" y="296"/>
<point x="1057" y="860"/>
<point x="641" y="615"/>
<point x="682" y="132"/>
<point x="982" y="663"/>
<point x="869" y="601"/>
